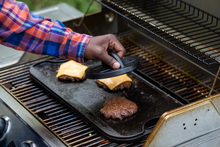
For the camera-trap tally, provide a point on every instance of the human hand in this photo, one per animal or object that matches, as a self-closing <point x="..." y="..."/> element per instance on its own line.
<point x="98" y="48"/>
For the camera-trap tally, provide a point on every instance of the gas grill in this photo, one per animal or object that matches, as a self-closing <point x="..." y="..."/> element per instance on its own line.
<point x="179" y="46"/>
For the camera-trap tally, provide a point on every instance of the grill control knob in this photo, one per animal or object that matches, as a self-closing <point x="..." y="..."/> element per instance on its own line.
<point x="4" y="126"/>
<point x="29" y="143"/>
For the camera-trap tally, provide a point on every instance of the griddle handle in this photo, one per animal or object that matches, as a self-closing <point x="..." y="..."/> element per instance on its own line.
<point x="151" y="122"/>
<point x="55" y="60"/>
<point x="114" y="55"/>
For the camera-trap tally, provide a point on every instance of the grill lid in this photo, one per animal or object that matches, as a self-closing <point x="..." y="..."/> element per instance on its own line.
<point x="101" y="71"/>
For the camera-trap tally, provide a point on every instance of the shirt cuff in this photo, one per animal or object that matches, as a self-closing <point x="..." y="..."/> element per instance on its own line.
<point x="81" y="47"/>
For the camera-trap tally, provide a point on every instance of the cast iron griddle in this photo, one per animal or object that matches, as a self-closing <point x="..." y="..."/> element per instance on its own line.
<point x="87" y="98"/>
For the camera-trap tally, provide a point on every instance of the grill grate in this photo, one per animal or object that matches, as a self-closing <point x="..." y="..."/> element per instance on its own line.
<point x="53" y="113"/>
<point x="164" y="74"/>
<point x="176" y="22"/>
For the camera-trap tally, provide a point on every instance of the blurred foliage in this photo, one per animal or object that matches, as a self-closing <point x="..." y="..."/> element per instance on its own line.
<point x="79" y="4"/>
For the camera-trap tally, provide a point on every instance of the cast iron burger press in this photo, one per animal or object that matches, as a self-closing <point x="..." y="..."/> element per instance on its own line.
<point x="101" y="71"/>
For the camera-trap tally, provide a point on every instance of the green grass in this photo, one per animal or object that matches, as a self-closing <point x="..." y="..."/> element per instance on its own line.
<point x="79" y="4"/>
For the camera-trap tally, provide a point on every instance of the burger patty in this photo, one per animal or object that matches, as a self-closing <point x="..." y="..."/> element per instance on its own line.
<point x="118" y="107"/>
<point x="69" y="78"/>
<point x="119" y="87"/>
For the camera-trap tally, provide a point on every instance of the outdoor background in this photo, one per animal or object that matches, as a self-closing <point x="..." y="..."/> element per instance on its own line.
<point x="79" y="4"/>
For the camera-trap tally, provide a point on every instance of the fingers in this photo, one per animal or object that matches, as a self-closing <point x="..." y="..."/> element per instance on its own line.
<point x="116" y="46"/>
<point x="98" y="46"/>
<point x="109" y="60"/>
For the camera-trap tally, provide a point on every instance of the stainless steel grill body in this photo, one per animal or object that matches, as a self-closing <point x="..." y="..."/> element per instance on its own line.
<point x="170" y="36"/>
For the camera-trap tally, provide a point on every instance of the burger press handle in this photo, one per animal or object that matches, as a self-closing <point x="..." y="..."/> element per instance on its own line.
<point x="114" y="55"/>
<point x="127" y="64"/>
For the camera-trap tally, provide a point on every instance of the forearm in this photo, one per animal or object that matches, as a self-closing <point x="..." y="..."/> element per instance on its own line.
<point x="24" y="31"/>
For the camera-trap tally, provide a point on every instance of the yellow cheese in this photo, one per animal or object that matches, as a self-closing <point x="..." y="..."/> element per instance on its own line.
<point x="115" y="81"/>
<point x="72" y="69"/>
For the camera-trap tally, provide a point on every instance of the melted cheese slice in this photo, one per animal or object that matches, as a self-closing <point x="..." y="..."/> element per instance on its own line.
<point x="72" y="69"/>
<point x="115" y="81"/>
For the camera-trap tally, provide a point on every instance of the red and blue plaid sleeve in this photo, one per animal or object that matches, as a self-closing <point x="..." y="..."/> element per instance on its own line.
<point x="22" y="30"/>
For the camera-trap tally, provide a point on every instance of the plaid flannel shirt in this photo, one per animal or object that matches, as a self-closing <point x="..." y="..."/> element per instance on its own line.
<point x="22" y="30"/>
